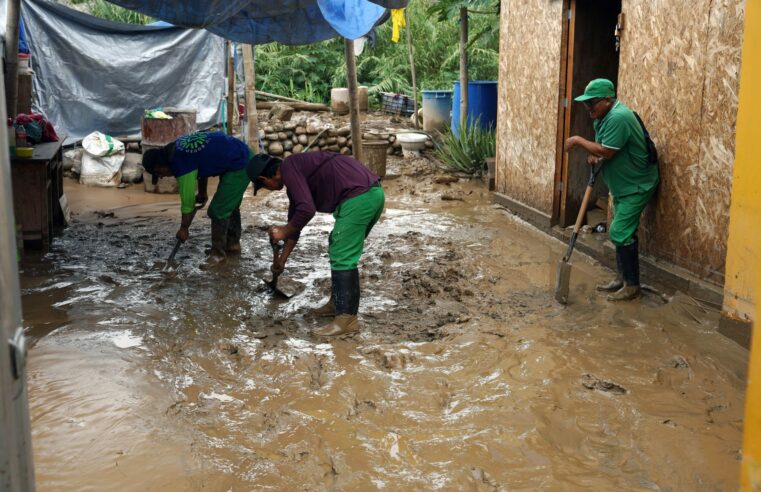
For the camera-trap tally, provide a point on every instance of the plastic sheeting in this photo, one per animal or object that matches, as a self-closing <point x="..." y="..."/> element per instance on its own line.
<point x="92" y="74"/>
<point x="263" y="21"/>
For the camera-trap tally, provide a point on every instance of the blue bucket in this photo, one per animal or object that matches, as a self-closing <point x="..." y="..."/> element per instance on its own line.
<point x="437" y="109"/>
<point x="482" y="104"/>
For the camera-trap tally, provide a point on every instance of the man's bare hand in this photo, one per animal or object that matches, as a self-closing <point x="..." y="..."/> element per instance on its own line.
<point x="593" y="160"/>
<point x="571" y="142"/>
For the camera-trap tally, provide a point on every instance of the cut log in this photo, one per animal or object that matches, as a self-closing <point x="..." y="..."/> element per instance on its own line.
<point x="298" y="106"/>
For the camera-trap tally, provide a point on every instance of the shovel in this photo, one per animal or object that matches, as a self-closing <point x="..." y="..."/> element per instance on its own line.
<point x="272" y="284"/>
<point x="563" y="281"/>
<point x="177" y="245"/>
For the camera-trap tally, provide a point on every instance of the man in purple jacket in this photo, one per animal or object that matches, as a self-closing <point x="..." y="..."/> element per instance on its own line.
<point x="330" y="183"/>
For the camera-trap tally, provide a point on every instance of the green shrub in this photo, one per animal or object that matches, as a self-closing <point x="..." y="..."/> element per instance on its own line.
<point x="467" y="152"/>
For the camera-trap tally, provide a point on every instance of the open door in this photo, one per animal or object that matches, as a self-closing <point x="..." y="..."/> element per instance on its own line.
<point x="589" y="52"/>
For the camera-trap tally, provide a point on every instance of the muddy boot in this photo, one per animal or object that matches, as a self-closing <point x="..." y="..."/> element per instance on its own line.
<point x="327" y="309"/>
<point x="346" y="294"/>
<point x="218" y="243"/>
<point x="618" y="282"/>
<point x="630" y="272"/>
<point x="233" y="234"/>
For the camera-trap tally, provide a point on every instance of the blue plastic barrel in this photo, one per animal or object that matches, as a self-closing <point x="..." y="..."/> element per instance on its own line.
<point x="482" y="104"/>
<point x="437" y="109"/>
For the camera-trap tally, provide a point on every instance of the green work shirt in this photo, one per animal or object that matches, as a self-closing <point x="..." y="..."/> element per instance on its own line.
<point x="187" y="187"/>
<point x="628" y="171"/>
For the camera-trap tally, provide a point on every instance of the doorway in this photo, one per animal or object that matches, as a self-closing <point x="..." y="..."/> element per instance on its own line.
<point x="589" y="52"/>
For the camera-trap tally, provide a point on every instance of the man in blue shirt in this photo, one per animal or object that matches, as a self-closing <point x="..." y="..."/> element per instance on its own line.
<point x="197" y="156"/>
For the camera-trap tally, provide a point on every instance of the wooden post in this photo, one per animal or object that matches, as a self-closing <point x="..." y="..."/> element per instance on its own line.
<point x="351" y="79"/>
<point x="412" y="65"/>
<point x="463" y="68"/>
<point x="249" y="71"/>
<point x="230" y="87"/>
<point x="11" y="56"/>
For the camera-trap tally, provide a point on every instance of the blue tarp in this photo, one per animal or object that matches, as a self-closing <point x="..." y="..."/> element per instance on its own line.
<point x="263" y="21"/>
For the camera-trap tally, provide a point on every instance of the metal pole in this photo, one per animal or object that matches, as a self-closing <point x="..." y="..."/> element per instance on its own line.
<point x="410" y="50"/>
<point x="16" y="467"/>
<point x="249" y="71"/>
<point x="230" y="87"/>
<point x="463" y="68"/>
<point x="11" y="56"/>
<point x="351" y="78"/>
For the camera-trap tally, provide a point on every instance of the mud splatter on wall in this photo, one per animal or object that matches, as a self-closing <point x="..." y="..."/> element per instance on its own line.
<point x="680" y="66"/>
<point x="679" y="69"/>
<point x="530" y="40"/>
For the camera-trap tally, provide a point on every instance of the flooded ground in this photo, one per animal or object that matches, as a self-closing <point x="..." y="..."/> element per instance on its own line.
<point x="466" y="374"/>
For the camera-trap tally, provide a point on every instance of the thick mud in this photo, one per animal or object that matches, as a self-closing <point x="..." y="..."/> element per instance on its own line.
<point x="466" y="374"/>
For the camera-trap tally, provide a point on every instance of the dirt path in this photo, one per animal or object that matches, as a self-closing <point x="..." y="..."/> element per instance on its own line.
<point x="466" y="375"/>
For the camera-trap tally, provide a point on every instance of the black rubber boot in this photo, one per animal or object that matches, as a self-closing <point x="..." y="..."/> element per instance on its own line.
<point x="630" y="272"/>
<point x="233" y="233"/>
<point x="218" y="242"/>
<point x="346" y="295"/>
<point x="618" y="281"/>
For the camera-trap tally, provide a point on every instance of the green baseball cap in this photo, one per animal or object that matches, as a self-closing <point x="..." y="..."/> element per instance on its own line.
<point x="596" y="89"/>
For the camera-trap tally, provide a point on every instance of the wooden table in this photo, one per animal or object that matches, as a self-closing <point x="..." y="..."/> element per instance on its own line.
<point x="37" y="189"/>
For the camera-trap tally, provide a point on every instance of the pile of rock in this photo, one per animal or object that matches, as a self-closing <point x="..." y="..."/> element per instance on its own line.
<point x="291" y="137"/>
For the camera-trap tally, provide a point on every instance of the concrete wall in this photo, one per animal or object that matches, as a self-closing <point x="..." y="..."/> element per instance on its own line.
<point x="744" y="247"/>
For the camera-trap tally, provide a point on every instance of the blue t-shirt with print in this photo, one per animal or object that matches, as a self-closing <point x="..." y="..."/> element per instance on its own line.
<point x="210" y="153"/>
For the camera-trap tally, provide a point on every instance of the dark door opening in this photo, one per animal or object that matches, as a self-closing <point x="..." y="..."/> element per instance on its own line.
<point x="590" y="53"/>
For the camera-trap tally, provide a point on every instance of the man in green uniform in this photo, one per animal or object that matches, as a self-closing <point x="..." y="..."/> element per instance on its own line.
<point x="194" y="157"/>
<point x="621" y="147"/>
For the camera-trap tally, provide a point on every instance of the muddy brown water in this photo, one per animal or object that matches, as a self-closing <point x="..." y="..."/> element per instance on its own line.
<point x="466" y="375"/>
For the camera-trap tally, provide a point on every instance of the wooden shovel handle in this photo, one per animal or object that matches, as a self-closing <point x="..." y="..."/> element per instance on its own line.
<point x="583" y="209"/>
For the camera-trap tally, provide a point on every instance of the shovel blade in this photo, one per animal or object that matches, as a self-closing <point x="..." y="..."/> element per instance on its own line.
<point x="275" y="290"/>
<point x="563" y="282"/>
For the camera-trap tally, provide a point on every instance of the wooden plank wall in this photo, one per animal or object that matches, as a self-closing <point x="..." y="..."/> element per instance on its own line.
<point x="529" y="67"/>
<point x="680" y="64"/>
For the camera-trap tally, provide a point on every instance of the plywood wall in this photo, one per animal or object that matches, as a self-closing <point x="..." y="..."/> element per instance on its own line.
<point x="529" y="68"/>
<point x="680" y="65"/>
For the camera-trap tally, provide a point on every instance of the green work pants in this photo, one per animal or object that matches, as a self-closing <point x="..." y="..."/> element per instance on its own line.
<point x="229" y="194"/>
<point x="355" y="219"/>
<point x="627" y="211"/>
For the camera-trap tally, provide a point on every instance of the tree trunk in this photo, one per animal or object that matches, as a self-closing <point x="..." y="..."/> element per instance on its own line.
<point x="463" y="68"/>
<point x="351" y="79"/>
<point x="249" y="71"/>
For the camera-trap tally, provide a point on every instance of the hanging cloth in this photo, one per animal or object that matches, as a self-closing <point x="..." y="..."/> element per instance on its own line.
<point x="397" y="19"/>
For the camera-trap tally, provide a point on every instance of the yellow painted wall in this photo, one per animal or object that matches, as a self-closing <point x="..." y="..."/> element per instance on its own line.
<point x="744" y="245"/>
<point x="743" y="265"/>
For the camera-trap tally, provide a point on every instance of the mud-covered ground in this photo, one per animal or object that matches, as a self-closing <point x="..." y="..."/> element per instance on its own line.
<point x="466" y="374"/>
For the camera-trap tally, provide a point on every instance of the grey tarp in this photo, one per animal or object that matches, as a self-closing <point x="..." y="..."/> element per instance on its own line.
<point x="92" y="74"/>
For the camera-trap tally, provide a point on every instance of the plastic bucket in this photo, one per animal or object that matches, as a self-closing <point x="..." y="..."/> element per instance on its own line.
<point x="482" y="104"/>
<point x="437" y="109"/>
<point x="374" y="152"/>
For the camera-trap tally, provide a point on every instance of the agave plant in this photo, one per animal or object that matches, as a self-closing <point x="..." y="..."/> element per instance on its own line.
<point x="467" y="152"/>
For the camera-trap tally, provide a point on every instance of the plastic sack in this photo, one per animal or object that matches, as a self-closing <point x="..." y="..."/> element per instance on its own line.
<point x="98" y="144"/>
<point x="101" y="161"/>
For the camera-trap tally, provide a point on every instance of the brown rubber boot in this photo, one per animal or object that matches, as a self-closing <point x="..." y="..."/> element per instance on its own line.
<point x="618" y="282"/>
<point x="343" y="324"/>
<point x="626" y="293"/>
<point x="233" y="234"/>
<point x="218" y="244"/>
<point x="327" y="309"/>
